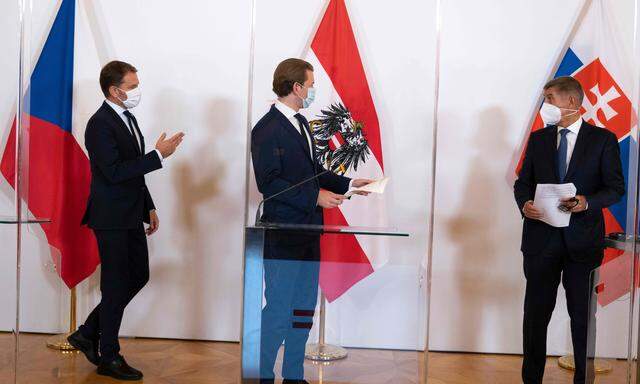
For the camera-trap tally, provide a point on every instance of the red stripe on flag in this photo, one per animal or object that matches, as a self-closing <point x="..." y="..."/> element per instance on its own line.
<point x="58" y="189"/>
<point x="335" y="47"/>
<point x="344" y="263"/>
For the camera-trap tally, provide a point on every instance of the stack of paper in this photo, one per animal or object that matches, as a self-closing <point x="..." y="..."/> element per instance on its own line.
<point x="377" y="186"/>
<point x="548" y="199"/>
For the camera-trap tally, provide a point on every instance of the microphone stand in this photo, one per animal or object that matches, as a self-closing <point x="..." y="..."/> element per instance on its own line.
<point x="259" y="210"/>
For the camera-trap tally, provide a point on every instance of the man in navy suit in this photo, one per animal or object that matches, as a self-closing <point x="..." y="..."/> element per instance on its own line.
<point x="119" y="203"/>
<point x="568" y="150"/>
<point x="284" y="154"/>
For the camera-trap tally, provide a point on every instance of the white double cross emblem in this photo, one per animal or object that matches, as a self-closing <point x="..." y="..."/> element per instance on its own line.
<point x="601" y="104"/>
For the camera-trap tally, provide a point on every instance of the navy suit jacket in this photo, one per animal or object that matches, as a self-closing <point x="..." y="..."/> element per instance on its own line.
<point x="119" y="197"/>
<point x="280" y="160"/>
<point x="596" y="171"/>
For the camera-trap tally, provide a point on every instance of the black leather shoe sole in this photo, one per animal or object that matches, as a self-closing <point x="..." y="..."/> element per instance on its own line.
<point x="105" y="371"/>
<point x="85" y="346"/>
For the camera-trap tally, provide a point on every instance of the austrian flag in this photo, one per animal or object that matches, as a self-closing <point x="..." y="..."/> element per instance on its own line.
<point x="347" y="132"/>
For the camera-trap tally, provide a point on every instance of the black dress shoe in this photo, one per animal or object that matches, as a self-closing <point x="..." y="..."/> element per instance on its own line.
<point x="289" y="381"/>
<point x="119" y="369"/>
<point x="86" y="346"/>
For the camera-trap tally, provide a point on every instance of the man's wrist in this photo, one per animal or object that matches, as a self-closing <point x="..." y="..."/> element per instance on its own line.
<point x="159" y="155"/>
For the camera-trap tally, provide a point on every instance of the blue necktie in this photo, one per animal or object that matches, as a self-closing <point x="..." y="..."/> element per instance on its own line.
<point x="562" y="154"/>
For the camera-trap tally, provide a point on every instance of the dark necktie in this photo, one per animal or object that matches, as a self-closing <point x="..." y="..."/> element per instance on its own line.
<point x="303" y="131"/>
<point x="132" y="129"/>
<point x="562" y="154"/>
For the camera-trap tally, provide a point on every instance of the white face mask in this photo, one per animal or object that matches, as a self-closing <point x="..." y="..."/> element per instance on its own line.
<point x="133" y="98"/>
<point x="311" y="96"/>
<point x="551" y="115"/>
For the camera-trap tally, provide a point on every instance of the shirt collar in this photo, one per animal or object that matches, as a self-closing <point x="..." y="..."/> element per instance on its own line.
<point x="575" y="127"/>
<point x="119" y="110"/>
<point x="287" y="111"/>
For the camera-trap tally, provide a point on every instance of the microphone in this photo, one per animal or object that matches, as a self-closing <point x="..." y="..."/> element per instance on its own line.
<point x="259" y="211"/>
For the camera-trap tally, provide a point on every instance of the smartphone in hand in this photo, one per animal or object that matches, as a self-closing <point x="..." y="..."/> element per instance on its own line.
<point x="567" y="206"/>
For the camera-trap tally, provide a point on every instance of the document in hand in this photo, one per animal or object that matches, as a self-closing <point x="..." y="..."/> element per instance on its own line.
<point x="377" y="186"/>
<point x="547" y="200"/>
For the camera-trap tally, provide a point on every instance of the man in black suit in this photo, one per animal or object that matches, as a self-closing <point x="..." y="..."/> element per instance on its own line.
<point x="568" y="150"/>
<point x="284" y="154"/>
<point x="119" y="203"/>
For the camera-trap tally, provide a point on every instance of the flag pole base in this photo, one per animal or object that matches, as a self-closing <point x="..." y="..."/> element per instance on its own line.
<point x="600" y="366"/>
<point x="324" y="352"/>
<point x="60" y="343"/>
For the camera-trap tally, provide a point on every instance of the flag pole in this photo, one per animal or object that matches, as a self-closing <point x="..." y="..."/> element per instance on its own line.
<point x="322" y="351"/>
<point x="59" y="342"/>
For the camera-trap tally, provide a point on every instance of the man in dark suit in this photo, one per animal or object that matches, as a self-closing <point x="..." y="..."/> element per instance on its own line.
<point x="119" y="203"/>
<point x="284" y="154"/>
<point x="568" y="150"/>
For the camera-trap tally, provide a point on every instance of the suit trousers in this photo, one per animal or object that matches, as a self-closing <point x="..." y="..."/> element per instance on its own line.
<point x="124" y="272"/>
<point x="543" y="272"/>
<point x="291" y="293"/>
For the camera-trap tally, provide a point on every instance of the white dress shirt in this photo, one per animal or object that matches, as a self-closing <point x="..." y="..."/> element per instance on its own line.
<point x="572" y="136"/>
<point x="120" y="111"/>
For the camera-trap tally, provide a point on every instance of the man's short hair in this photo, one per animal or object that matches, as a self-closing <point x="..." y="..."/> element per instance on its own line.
<point x="567" y="85"/>
<point x="288" y="73"/>
<point x="113" y="74"/>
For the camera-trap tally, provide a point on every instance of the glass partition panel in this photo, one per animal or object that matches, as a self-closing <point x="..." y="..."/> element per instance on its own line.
<point x="608" y="327"/>
<point x="360" y="294"/>
<point x="44" y="169"/>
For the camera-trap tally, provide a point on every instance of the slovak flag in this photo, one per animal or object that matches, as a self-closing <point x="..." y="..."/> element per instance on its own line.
<point x="595" y="59"/>
<point x="59" y="174"/>
<point x="346" y="130"/>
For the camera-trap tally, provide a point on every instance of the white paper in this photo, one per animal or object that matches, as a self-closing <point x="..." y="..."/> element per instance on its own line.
<point x="547" y="200"/>
<point x="377" y="186"/>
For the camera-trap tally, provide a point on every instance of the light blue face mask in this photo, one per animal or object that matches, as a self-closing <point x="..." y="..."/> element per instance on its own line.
<point x="311" y="96"/>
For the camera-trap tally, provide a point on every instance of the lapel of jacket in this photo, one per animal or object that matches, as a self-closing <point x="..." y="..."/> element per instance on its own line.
<point x="120" y="123"/>
<point x="293" y="131"/>
<point x="579" y="149"/>
<point x="551" y="148"/>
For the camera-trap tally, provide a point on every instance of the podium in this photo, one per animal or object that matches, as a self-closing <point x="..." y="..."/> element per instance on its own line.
<point x="254" y="256"/>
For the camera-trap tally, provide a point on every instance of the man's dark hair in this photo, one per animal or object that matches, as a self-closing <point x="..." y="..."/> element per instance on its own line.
<point x="113" y="74"/>
<point x="567" y="85"/>
<point x="288" y="73"/>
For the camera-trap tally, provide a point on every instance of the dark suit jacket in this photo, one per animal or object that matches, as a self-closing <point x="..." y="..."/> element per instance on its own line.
<point x="119" y="198"/>
<point x="280" y="160"/>
<point x="596" y="171"/>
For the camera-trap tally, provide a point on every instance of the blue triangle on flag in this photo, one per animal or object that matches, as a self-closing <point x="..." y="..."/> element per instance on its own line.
<point x="51" y="88"/>
<point x="569" y="64"/>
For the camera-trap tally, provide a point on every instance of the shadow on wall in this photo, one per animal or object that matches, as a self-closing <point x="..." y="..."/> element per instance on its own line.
<point x="474" y="228"/>
<point x="196" y="179"/>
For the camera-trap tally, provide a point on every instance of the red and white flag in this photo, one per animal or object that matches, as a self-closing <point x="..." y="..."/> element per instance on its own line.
<point x="348" y="136"/>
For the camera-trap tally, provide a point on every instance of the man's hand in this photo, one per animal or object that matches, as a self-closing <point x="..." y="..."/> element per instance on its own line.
<point x="358" y="183"/>
<point x="154" y="223"/>
<point x="329" y="200"/>
<point x="530" y="211"/>
<point x="168" y="146"/>
<point x="575" y="208"/>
